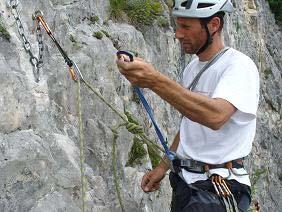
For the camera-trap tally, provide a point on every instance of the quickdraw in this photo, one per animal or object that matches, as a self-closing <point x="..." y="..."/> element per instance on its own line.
<point x="36" y="62"/>
<point x="73" y="68"/>
<point x="223" y="191"/>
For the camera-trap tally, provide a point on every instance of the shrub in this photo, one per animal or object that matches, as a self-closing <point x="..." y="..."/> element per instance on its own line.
<point x="3" y="31"/>
<point x="98" y="35"/>
<point x="139" y="12"/>
<point x="276" y="7"/>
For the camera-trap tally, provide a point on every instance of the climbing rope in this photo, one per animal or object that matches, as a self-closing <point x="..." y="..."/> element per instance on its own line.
<point x="115" y="170"/>
<point x="36" y="62"/>
<point x="82" y="147"/>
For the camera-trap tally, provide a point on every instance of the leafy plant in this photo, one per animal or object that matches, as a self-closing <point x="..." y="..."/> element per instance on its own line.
<point x="137" y="153"/>
<point x="117" y="8"/>
<point x="276" y="7"/>
<point x="3" y="31"/>
<point x="99" y="35"/>
<point x="93" y="19"/>
<point x="139" y="12"/>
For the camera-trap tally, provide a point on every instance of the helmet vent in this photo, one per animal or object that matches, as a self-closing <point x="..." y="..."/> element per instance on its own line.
<point x="204" y="5"/>
<point x="187" y="4"/>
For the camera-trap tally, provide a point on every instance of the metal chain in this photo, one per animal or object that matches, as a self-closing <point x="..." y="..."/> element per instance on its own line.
<point x="36" y="62"/>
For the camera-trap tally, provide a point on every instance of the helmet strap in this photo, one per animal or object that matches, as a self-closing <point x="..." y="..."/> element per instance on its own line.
<point x="208" y="41"/>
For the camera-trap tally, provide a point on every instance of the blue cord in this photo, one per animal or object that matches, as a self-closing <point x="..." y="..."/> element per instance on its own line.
<point x="151" y="116"/>
<point x="171" y="155"/>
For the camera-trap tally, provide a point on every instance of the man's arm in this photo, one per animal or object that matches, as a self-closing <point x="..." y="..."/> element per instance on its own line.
<point x="151" y="180"/>
<point x="204" y="110"/>
<point x="207" y="111"/>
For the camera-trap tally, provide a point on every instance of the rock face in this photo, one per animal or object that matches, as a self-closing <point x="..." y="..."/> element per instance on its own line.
<point x="39" y="128"/>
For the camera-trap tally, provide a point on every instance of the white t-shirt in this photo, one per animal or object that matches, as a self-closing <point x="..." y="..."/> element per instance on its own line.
<point x="233" y="77"/>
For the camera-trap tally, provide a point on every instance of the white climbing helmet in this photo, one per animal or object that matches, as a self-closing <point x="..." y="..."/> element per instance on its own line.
<point x="200" y="8"/>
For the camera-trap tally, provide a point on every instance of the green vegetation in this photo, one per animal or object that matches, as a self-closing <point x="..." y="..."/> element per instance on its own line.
<point x="93" y="19"/>
<point x="276" y="7"/>
<point x="255" y="177"/>
<point x="267" y="72"/>
<point x="105" y="33"/>
<point x="154" y="156"/>
<point x="137" y="153"/>
<point x="139" y="12"/>
<point x="162" y="22"/>
<point x="3" y="31"/>
<point x="99" y="35"/>
<point x="72" y="39"/>
<point x="238" y="26"/>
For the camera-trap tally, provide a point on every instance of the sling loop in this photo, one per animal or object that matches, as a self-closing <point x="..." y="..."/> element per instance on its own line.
<point x="210" y="63"/>
<point x="149" y="110"/>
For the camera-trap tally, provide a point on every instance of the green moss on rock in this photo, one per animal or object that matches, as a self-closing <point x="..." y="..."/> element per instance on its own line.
<point x="99" y="35"/>
<point x="137" y="153"/>
<point x="3" y="31"/>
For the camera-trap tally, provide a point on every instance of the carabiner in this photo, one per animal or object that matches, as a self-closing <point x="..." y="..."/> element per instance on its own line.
<point x="77" y="71"/>
<point x="38" y="15"/>
<point x="129" y="54"/>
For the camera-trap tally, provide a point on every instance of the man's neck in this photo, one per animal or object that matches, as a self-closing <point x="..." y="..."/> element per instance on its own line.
<point x="212" y="50"/>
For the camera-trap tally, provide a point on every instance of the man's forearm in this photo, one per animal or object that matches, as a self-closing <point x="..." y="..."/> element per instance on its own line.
<point x="204" y="110"/>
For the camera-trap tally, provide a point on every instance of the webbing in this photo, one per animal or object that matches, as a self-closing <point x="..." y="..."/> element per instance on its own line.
<point x="149" y="110"/>
<point x="151" y="116"/>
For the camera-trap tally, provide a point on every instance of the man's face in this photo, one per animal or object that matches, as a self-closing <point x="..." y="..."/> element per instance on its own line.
<point x="190" y="33"/>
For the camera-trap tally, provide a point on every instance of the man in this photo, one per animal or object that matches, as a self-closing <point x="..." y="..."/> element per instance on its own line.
<point x="219" y="112"/>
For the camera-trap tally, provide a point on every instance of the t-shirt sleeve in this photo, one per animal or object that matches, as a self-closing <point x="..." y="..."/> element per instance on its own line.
<point x="239" y="85"/>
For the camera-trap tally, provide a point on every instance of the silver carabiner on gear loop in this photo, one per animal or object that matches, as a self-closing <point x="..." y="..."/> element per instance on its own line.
<point x="12" y="3"/>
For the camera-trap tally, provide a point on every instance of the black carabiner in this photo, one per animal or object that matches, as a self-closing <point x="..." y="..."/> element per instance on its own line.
<point x="129" y="54"/>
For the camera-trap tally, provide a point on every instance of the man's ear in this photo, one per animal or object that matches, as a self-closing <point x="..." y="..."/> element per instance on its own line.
<point x="214" y="25"/>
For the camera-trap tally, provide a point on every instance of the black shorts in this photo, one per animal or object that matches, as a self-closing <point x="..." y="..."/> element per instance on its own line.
<point x="202" y="198"/>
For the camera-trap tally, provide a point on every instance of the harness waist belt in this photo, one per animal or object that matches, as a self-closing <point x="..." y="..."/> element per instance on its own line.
<point x="201" y="167"/>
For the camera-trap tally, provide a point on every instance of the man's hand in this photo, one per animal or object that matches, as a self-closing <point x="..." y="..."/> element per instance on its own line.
<point x="138" y="72"/>
<point x="151" y="181"/>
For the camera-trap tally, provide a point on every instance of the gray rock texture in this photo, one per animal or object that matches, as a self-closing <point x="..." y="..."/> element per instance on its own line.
<point x="39" y="126"/>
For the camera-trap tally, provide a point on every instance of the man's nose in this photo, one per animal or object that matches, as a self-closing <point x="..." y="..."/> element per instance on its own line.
<point x="179" y="34"/>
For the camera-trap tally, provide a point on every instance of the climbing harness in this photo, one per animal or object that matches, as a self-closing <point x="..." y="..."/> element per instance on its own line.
<point x="36" y="62"/>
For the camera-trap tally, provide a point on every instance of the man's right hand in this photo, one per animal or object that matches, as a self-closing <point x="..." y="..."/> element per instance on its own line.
<point x="151" y="181"/>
